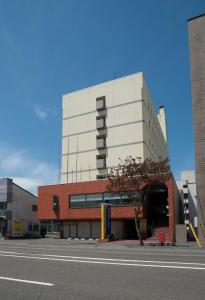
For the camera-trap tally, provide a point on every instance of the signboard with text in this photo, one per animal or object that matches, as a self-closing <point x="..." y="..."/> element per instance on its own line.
<point x="17" y="228"/>
<point x="143" y="225"/>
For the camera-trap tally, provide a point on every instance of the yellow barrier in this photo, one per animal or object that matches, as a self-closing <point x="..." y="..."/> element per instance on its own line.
<point x="102" y="222"/>
<point x="194" y="234"/>
<point x="202" y="230"/>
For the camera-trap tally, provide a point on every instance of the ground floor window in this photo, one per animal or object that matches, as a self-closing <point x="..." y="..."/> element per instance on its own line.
<point x="51" y="226"/>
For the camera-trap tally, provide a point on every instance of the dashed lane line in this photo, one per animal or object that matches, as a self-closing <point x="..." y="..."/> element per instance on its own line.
<point x="26" y="281"/>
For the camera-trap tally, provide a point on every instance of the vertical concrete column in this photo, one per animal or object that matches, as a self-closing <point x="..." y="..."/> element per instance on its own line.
<point x="196" y="27"/>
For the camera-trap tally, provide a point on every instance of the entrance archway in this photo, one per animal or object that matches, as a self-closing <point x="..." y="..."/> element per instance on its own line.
<point x="156" y="206"/>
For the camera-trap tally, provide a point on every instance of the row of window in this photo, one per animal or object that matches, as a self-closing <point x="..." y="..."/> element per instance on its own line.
<point x="94" y="200"/>
<point x="3" y="206"/>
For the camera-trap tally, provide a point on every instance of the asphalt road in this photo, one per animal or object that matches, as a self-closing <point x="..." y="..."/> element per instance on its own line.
<point x="66" y="269"/>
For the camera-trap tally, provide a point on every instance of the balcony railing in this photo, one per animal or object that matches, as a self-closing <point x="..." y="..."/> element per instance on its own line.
<point x="101" y="163"/>
<point x="100" y="123"/>
<point x="100" y="104"/>
<point x="100" y="143"/>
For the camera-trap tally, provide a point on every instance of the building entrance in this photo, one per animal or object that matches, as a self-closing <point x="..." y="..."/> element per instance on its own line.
<point x="156" y="207"/>
<point x="130" y="230"/>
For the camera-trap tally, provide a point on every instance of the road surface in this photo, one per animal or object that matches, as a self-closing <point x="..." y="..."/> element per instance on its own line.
<point x="69" y="269"/>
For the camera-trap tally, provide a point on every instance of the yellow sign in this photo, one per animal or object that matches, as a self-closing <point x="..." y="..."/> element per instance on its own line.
<point x="143" y="225"/>
<point x="17" y="228"/>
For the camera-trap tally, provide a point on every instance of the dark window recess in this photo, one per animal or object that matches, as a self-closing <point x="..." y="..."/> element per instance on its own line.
<point x="30" y="227"/>
<point x="34" y="207"/>
<point x="35" y="227"/>
<point x="185" y="186"/>
<point x="186" y="196"/>
<point x="186" y="206"/>
<point x="101" y="177"/>
<point x="55" y="201"/>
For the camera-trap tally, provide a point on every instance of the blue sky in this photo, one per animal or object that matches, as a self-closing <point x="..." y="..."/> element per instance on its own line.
<point x="49" y="48"/>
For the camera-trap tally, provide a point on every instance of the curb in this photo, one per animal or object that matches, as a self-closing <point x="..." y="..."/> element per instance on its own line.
<point x="83" y="239"/>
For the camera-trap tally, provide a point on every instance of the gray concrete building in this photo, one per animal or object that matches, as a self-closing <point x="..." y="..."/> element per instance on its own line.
<point x="196" y="27"/>
<point x="18" y="210"/>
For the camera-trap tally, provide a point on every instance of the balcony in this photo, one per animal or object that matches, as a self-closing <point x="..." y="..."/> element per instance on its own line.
<point x="100" y="123"/>
<point x="100" y="103"/>
<point x="100" y="143"/>
<point x="101" y="163"/>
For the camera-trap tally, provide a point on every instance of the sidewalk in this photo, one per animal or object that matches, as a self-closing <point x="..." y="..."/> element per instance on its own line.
<point x="153" y="243"/>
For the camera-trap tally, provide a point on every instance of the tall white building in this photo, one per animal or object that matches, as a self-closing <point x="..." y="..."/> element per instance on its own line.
<point x="106" y="122"/>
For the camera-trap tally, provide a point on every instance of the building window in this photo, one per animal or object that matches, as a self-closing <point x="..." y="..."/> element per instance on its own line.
<point x="186" y="206"/>
<point x="94" y="200"/>
<point x="55" y="201"/>
<point x="185" y="186"/>
<point x="77" y="201"/>
<point x="185" y="195"/>
<point x="34" y="207"/>
<point x="3" y="205"/>
<point x="101" y="176"/>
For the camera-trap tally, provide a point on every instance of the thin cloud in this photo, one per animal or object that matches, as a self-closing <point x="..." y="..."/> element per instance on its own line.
<point x="26" y="171"/>
<point x="28" y="184"/>
<point x="41" y="113"/>
<point x="13" y="161"/>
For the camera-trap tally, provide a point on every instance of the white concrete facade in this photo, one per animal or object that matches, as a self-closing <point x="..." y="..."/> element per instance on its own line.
<point x="123" y="124"/>
<point x="187" y="188"/>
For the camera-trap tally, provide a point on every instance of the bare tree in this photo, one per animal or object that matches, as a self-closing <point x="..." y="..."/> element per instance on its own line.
<point x="128" y="179"/>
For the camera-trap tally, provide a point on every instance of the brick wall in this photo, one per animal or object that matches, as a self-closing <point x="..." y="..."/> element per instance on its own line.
<point x="64" y="213"/>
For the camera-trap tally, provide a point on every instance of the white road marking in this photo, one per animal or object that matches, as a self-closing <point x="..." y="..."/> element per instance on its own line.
<point x="104" y="259"/>
<point x="27" y="281"/>
<point x="73" y="249"/>
<point x="98" y="261"/>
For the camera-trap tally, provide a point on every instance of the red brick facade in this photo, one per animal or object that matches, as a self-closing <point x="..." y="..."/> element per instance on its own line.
<point x="65" y="213"/>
